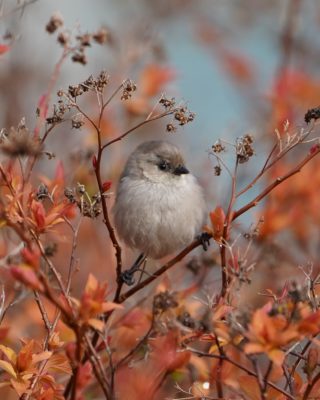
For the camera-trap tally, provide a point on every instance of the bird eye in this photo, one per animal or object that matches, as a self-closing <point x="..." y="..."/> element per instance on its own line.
<point x="164" y="165"/>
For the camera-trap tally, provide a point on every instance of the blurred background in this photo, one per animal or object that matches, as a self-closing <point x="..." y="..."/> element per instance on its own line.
<point x="243" y="67"/>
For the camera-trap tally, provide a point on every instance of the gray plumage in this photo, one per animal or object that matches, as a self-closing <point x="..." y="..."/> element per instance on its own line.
<point x="159" y="206"/>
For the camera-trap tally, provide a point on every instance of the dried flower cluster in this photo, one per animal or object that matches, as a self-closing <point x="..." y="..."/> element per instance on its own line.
<point x="218" y="147"/>
<point x="67" y="99"/>
<point x="89" y="206"/>
<point x="244" y="148"/>
<point x="164" y="301"/>
<point x="94" y="84"/>
<point x="313" y="113"/>
<point x="20" y="142"/>
<point x="55" y="22"/>
<point x="180" y="113"/>
<point x="82" y="41"/>
<point x="128" y="87"/>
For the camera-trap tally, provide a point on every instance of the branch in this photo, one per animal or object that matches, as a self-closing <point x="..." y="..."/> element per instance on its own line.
<point x="276" y="183"/>
<point x="160" y="271"/>
<point x="158" y="116"/>
<point x="240" y="366"/>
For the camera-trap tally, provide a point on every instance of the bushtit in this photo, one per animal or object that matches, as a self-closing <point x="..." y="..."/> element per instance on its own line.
<point x="159" y="206"/>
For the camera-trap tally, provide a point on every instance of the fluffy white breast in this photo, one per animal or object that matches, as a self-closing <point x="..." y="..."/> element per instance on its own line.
<point x="159" y="218"/>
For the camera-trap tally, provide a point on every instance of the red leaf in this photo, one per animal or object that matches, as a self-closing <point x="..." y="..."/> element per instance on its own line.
<point x="94" y="162"/>
<point x="84" y="376"/>
<point x="4" y="48"/>
<point x="24" y="359"/>
<point x="314" y="149"/>
<point x="27" y="276"/>
<point x="106" y="186"/>
<point x="39" y="214"/>
<point x="4" y="333"/>
<point x="31" y="257"/>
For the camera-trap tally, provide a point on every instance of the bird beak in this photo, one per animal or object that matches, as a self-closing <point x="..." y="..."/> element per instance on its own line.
<point x="180" y="169"/>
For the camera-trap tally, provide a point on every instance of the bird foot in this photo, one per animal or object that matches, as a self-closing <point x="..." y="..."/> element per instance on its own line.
<point x="127" y="277"/>
<point x="204" y="238"/>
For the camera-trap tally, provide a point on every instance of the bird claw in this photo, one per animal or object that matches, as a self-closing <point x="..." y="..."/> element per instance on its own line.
<point x="127" y="277"/>
<point x="204" y="238"/>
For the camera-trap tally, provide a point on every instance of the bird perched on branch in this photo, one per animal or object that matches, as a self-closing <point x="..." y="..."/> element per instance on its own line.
<point x="159" y="205"/>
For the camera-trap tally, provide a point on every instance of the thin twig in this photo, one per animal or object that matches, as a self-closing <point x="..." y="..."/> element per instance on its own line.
<point x="276" y="183"/>
<point x="240" y="366"/>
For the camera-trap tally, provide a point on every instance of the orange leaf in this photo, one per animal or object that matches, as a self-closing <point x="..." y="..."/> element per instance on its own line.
<point x="277" y="356"/>
<point x="237" y="66"/>
<point x="20" y="386"/>
<point x="217" y="218"/>
<point x="58" y="363"/>
<point x="109" y="305"/>
<point x="45" y="355"/>
<point x="154" y="78"/>
<point x="97" y="324"/>
<point x="24" y="358"/>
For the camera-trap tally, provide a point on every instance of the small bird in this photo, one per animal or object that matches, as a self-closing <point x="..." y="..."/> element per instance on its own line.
<point x="159" y="205"/>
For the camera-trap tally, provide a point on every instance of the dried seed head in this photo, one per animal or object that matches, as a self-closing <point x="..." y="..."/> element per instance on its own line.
<point x="191" y="116"/>
<point x="69" y="194"/>
<point x="102" y="36"/>
<point x="79" y="57"/>
<point x="128" y="88"/>
<point x="313" y="113"/>
<point x="77" y="122"/>
<point x="97" y="198"/>
<point x="85" y="40"/>
<point x="186" y="320"/>
<point x="59" y="110"/>
<point x="21" y="143"/>
<point x="75" y="90"/>
<point x="63" y="38"/>
<point x="164" y="301"/>
<point x="88" y="84"/>
<point x="244" y="148"/>
<point x="42" y="192"/>
<point x="102" y="81"/>
<point x="55" y="22"/>
<point x="89" y="210"/>
<point x="217" y="170"/>
<point x="81" y="189"/>
<point x="183" y="115"/>
<point x="171" y="128"/>
<point x="217" y="147"/>
<point x="167" y="103"/>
